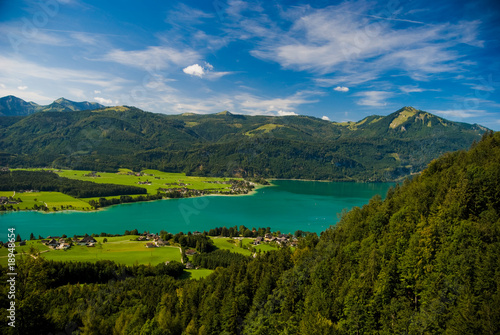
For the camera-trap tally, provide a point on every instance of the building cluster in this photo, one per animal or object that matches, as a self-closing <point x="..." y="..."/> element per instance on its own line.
<point x="60" y="243"/>
<point x="154" y="241"/>
<point x="7" y="201"/>
<point x="177" y="184"/>
<point x="282" y="239"/>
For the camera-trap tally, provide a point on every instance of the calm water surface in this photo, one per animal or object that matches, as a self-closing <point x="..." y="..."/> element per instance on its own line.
<point x="288" y="206"/>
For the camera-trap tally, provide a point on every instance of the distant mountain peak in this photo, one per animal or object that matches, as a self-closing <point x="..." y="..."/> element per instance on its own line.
<point x="408" y="109"/>
<point x="402" y="116"/>
<point x="12" y="105"/>
<point x="225" y="113"/>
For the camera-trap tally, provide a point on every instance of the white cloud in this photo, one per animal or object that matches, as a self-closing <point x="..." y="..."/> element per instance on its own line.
<point x="97" y="92"/>
<point x="341" y="89"/>
<point x="153" y="58"/>
<point x="91" y="39"/>
<point x="103" y="101"/>
<point x="194" y="70"/>
<point x="254" y="105"/>
<point x="480" y="87"/>
<point x="373" y="98"/>
<point x="17" y="33"/>
<point x="47" y="83"/>
<point x="347" y="40"/>
<point x="416" y="89"/>
<point x="16" y="67"/>
<point x="326" y="118"/>
<point x="460" y="113"/>
<point x="26" y="95"/>
<point x="22" y="88"/>
<point x="283" y="113"/>
<point x="184" y="15"/>
<point x="205" y="71"/>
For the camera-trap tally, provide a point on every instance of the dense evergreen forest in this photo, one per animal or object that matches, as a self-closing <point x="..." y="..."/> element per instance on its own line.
<point x="50" y="182"/>
<point x="376" y="148"/>
<point x="424" y="260"/>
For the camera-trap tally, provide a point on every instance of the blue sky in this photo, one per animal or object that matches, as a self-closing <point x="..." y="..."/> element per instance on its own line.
<point x="334" y="60"/>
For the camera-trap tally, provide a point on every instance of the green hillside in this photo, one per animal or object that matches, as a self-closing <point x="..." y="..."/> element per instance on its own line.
<point x="423" y="261"/>
<point x="225" y="144"/>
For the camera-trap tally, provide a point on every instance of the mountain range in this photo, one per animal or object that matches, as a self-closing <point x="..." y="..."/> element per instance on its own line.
<point x="14" y="106"/>
<point x="377" y="148"/>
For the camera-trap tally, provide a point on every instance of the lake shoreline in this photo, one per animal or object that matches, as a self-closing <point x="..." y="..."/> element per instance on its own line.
<point x="69" y="211"/>
<point x="286" y="206"/>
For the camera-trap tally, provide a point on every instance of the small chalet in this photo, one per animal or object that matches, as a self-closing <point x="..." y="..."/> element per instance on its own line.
<point x="258" y="240"/>
<point x="53" y="243"/>
<point x="150" y="245"/>
<point x="63" y="246"/>
<point x="162" y="243"/>
<point x="22" y="242"/>
<point x="89" y="241"/>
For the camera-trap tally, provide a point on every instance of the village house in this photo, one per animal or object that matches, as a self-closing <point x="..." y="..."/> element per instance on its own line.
<point x="63" y="246"/>
<point x="162" y="243"/>
<point x="89" y="241"/>
<point x="258" y="240"/>
<point x="53" y="243"/>
<point x="150" y="245"/>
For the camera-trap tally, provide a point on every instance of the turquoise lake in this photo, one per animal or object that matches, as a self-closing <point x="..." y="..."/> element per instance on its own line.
<point x="287" y="206"/>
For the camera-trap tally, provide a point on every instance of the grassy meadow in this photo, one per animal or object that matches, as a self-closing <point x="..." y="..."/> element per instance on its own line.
<point x="156" y="179"/>
<point x="196" y="273"/>
<point x="50" y="199"/>
<point x="118" y="249"/>
<point x="233" y="245"/>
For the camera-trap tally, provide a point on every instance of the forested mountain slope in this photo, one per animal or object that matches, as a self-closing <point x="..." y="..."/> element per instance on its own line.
<point x="424" y="260"/>
<point x="225" y="144"/>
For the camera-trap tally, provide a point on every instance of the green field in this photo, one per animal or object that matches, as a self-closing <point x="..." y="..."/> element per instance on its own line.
<point x="157" y="178"/>
<point x="224" y="243"/>
<point x="50" y="199"/>
<point x="196" y="273"/>
<point x="122" y="250"/>
<point x="118" y="249"/>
